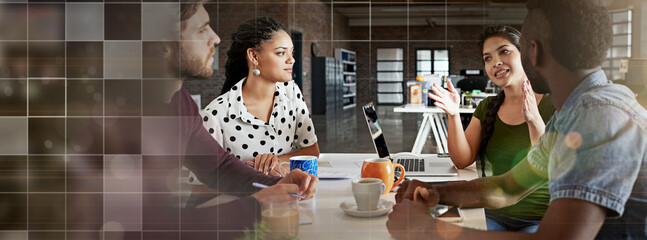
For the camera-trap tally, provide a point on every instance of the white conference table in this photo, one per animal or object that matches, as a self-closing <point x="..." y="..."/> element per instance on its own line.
<point x="330" y="222"/>
<point x="433" y="120"/>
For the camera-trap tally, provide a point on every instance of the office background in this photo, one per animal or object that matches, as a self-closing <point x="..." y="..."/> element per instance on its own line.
<point x="74" y="76"/>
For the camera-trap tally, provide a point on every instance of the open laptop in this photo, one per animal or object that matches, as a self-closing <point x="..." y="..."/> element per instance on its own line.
<point x="414" y="165"/>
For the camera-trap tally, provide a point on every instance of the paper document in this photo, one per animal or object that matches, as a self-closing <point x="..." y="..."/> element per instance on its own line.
<point x="305" y="217"/>
<point x="338" y="173"/>
<point x="352" y="164"/>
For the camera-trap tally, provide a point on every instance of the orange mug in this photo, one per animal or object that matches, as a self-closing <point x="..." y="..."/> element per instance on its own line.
<point x="383" y="169"/>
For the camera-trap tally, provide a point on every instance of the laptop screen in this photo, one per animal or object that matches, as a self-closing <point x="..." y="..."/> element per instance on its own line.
<point x="376" y="130"/>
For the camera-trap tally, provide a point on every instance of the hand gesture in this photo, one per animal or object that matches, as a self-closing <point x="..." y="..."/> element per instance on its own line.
<point x="447" y="100"/>
<point x="529" y="108"/>
<point x="419" y="192"/>
<point x="265" y="163"/>
<point x="410" y="220"/>
<point x="307" y="182"/>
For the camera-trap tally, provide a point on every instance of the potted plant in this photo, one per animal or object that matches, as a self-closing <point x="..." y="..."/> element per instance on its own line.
<point x="467" y="97"/>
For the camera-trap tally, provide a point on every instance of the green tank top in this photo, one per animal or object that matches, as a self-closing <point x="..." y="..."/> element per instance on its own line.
<point x="508" y="145"/>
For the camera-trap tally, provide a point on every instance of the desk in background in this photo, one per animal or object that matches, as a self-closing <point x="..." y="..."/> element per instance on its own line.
<point x="433" y="120"/>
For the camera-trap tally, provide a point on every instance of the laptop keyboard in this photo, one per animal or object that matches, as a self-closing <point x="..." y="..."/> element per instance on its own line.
<point x="414" y="165"/>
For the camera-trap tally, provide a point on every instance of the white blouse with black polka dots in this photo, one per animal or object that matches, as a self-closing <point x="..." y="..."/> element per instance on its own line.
<point x="289" y="128"/>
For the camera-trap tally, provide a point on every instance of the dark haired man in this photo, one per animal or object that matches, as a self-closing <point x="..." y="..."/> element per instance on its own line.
<point x="179" y="139"/>
<point x="593" y="154"/>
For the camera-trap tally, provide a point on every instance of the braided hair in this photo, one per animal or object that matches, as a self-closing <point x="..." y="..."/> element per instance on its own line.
<point x="487" y="124"/>
<point x="248" y="35"/>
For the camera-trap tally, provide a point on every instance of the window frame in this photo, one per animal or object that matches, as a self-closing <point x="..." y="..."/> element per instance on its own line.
<point x="378" y="82"/>
<point x="610" y="70"/>
<point x="432" y="60"/>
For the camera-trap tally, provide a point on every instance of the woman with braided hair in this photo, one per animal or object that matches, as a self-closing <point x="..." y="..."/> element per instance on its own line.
<point x="261" y="116"/>
<point x="503" y="127"/>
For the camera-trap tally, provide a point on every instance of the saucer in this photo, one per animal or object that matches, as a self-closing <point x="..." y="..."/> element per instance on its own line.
<point x="350" y="208"/>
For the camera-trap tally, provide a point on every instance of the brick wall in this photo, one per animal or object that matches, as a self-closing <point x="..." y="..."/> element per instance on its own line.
<point x="310" y="17"/>
<point x="313" y="19"/>
<point x="461" y="41"/>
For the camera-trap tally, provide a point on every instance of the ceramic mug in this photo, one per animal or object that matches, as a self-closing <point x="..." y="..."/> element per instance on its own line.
<point x="305" y="163"/>
<point x="383" y="169"/>
<point x="367" y="193"/>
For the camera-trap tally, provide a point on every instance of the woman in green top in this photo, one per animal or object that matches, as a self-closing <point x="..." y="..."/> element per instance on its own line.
<point x="503" y="128"/>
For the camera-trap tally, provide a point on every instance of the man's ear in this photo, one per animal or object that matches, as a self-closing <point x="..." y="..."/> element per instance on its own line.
<point x="252" y="56"/>
<point x="168" y="50"/>
<point x="536" y="53"/>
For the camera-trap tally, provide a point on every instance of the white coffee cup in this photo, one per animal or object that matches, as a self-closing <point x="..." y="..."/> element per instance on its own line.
<point x="367" y="193"/>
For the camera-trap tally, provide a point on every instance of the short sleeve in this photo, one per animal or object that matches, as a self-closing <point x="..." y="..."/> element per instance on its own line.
<point x="305" y="129"/>
<point x="210" y="122"/>
<point x="481" y="109"/>
<point x="597" y="157"/>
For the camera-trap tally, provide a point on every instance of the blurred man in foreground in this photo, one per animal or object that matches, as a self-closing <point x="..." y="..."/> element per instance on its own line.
<point x="593" y="153"/>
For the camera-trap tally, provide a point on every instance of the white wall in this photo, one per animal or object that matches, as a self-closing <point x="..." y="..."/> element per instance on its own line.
<point x="640" y="39"/>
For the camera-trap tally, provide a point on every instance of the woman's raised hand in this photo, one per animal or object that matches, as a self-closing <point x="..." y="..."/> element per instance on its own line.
<point x="447" y="100"/>
<point x="529" y="109"/>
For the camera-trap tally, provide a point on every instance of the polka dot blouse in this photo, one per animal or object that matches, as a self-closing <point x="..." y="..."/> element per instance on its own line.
<point x="289" y="128"/>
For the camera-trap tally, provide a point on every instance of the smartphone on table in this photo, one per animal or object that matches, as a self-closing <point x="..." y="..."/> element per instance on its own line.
<point x="446" y="213"/>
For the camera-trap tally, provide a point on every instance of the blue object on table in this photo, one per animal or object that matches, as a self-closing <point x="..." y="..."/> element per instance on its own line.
<point x="307" y="164"/>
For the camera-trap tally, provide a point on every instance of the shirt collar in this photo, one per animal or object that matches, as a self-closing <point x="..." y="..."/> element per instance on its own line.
<point x="239" y="108"/>
<point x="281" y="88"/>
<point x="594" y="80"/>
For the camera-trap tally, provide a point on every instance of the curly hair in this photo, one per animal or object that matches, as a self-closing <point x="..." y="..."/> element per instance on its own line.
<point x="487" y="124"/>
<point x="248" y="35"/>
<point x="579" y="31"/>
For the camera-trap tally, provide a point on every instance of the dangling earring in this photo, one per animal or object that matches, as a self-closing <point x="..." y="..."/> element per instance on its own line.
<point x="256" y="72"/>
